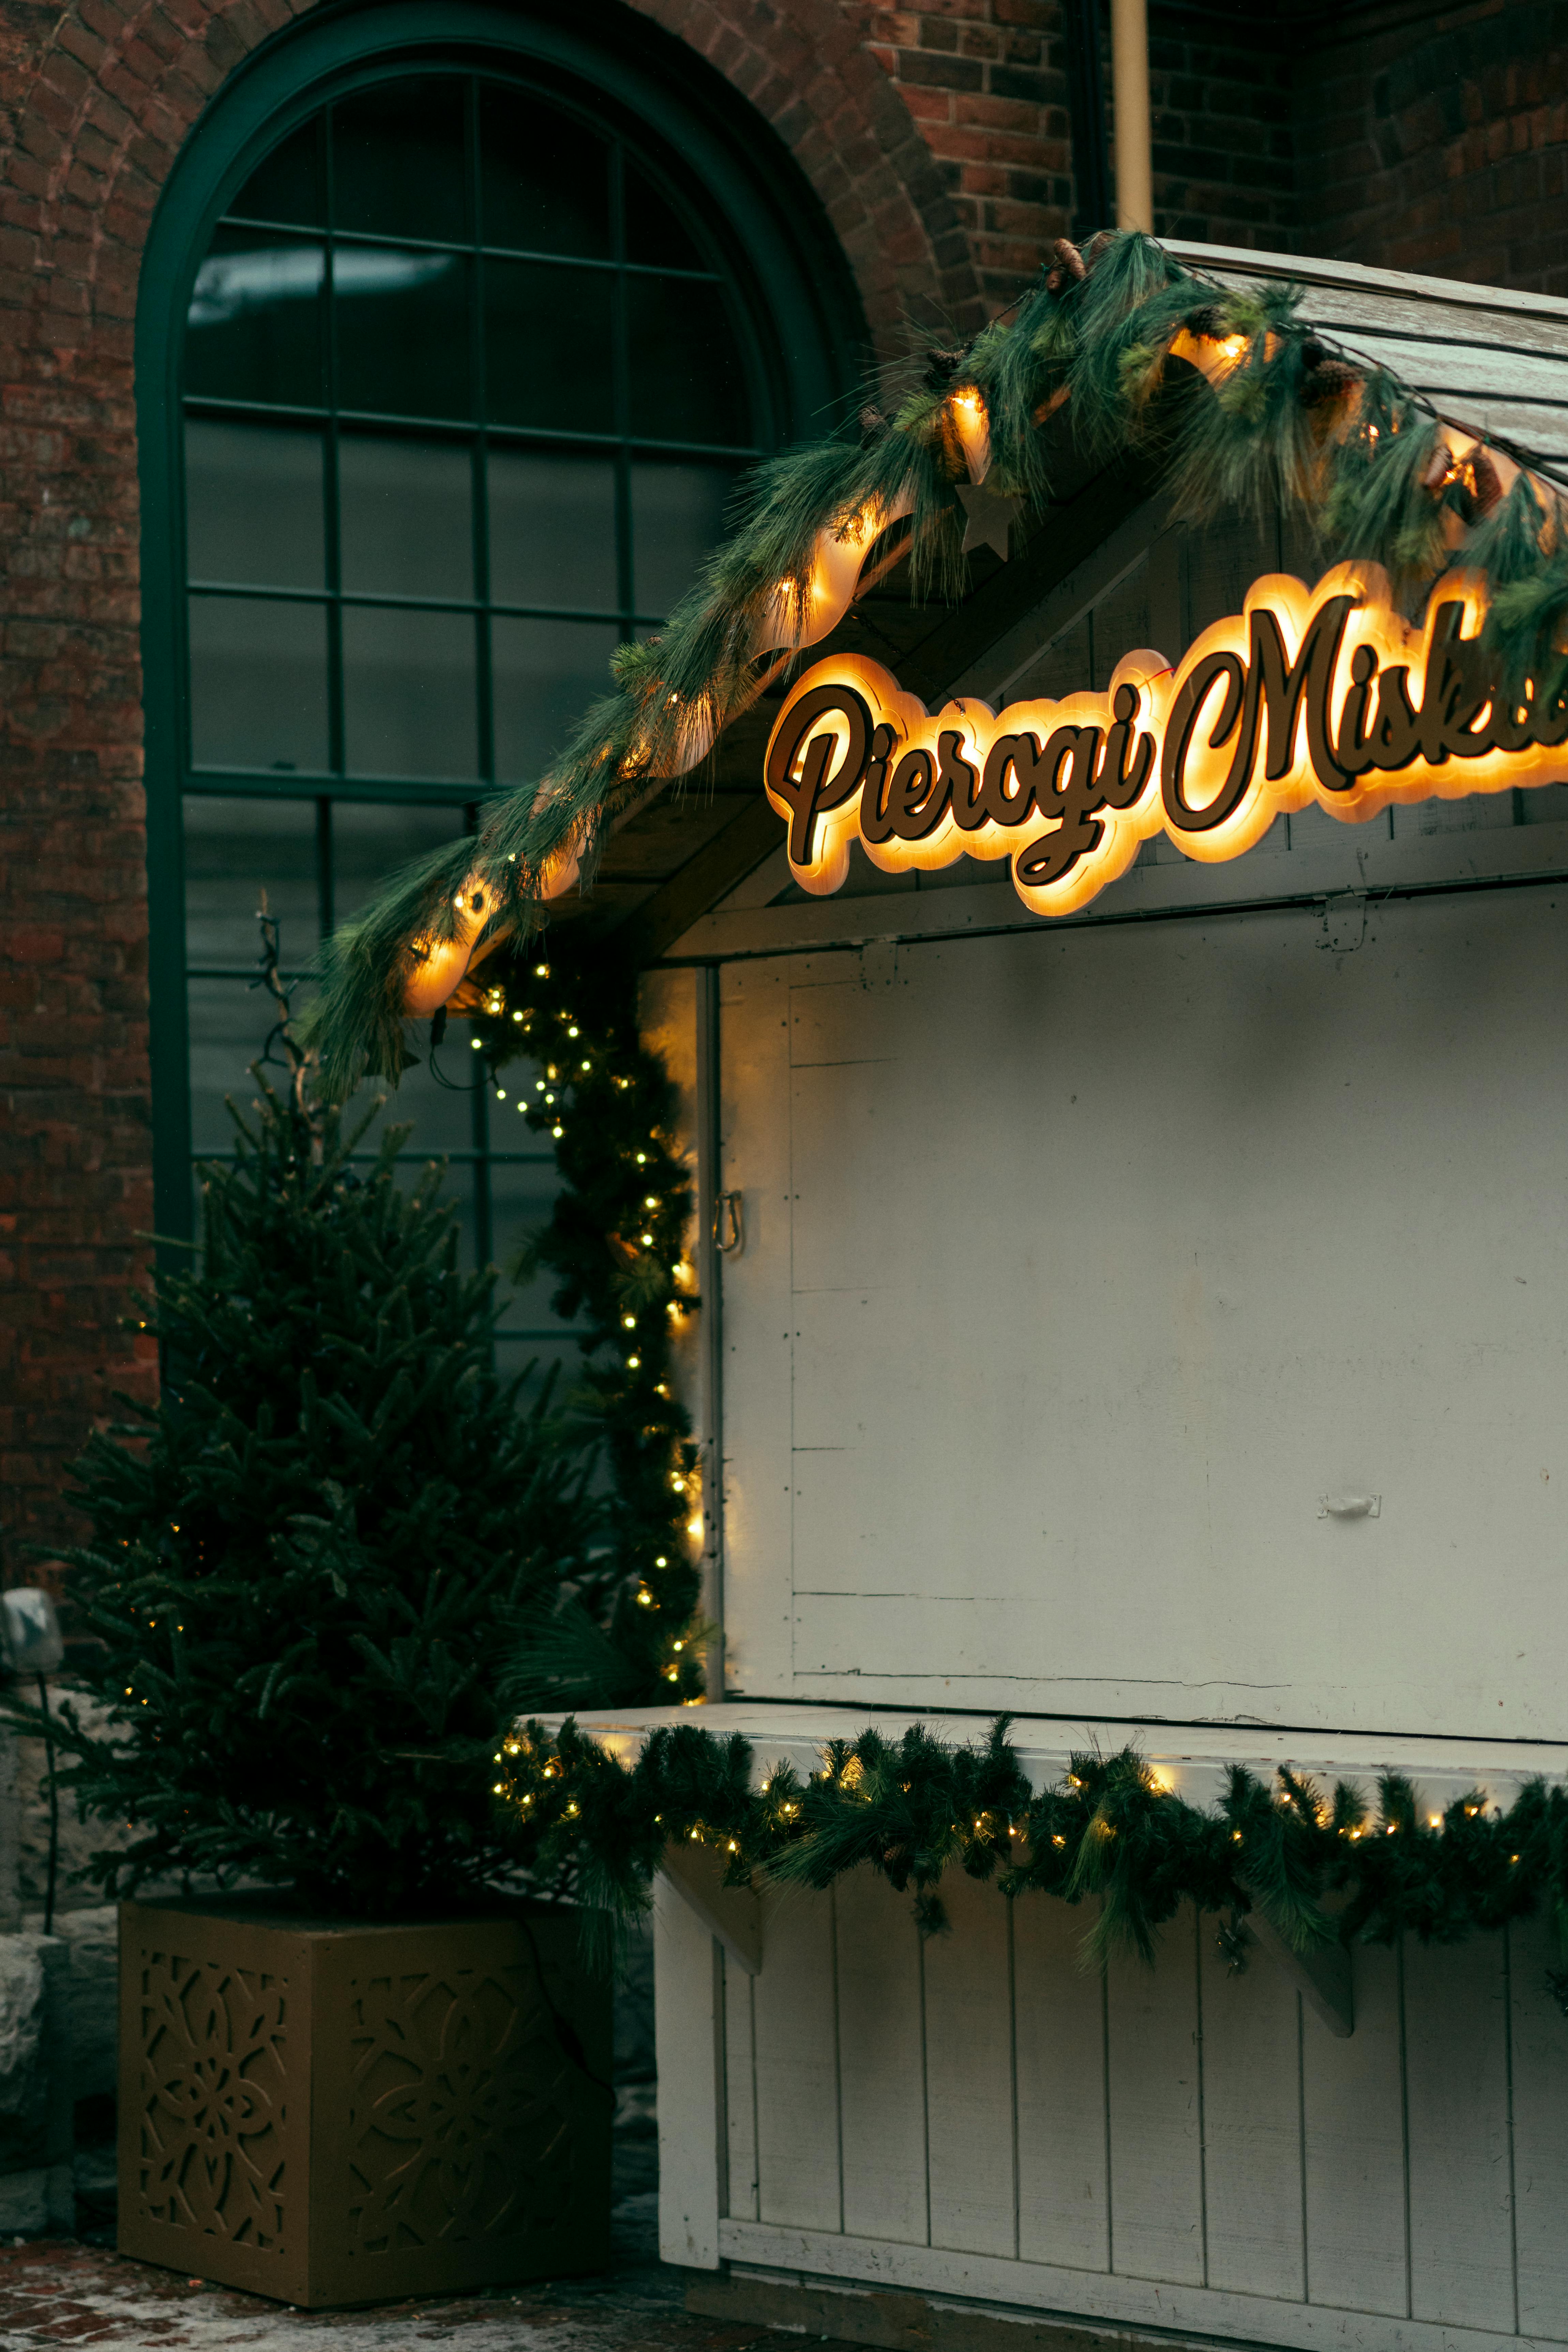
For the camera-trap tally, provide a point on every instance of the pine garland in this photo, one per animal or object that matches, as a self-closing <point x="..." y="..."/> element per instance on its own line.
<point x="616" y="1242"/>
<point x="914" y="1808"/>
<point x="1286" y="417"/>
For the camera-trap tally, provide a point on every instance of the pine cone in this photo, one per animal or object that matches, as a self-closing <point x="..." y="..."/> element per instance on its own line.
<point x="873" y="427"/>
<point x="1066" y="266"/>
<point x="1330" y="380"/>
<point x="1485" y="481"/>
<point x="1440" y="471"/>
<point x="941" y="366"/>
<point x="1208" y="319"/>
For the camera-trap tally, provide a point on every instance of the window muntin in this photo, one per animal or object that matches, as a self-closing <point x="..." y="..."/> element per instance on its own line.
<point x="467" y="385"/>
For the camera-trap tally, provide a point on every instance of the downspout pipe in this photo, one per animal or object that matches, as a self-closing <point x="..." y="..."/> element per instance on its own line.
<point x="1130" y="94"/>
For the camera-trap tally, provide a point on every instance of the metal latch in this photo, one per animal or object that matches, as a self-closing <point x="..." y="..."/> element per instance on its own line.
<point x="728" y="1224"/>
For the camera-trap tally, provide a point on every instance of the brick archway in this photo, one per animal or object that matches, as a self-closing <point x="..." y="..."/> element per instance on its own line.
<point x="101" y="95"/>
<point x="803" y="69"/>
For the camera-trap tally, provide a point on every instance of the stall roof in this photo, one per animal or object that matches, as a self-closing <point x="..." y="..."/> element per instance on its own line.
<point x="1490" y="361"/>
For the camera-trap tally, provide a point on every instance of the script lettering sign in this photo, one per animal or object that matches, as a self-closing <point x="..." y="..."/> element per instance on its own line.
<point x="1320" y="694"/>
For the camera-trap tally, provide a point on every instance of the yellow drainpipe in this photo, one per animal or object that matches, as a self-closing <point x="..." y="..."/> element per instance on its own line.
<point x="1130" y="93"/>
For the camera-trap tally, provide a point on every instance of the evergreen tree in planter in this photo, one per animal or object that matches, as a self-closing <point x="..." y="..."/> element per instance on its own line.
<point x="306" y="1565"/>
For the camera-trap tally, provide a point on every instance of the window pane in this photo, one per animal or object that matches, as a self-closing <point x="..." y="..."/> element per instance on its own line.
<point x="370" y="841"/>
<point x="533" y="314"/>
<point x="687" y="383"/>
<point x="406" y="512"/>
<point x="522" y="1199"/>
<point x="552" y="529"/>
<point x="234" y="849"/>
<point x="397" y="159"/>
<point x="546" y="177"/>
<point x="255" y="321"/>
<point x="401" y="322"/>
<point x="410" y="693"/>
<point x="287" y="187"/>
<point x="546" y="673"/>
<point x="677" y="518"/>
<point x="655" y="230"/>
<point x="258" y="684"/>
<point x="230" y="1023"/>
<point x="514" y="1352"/>
<point x="253" y="505"/>
<point x="437" y="1106"/>
<point x="522" y="1196"/>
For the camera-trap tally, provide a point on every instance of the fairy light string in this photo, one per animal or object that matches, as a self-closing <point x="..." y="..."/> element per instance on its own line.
<point x="1111" y="1828"/>
<point x="557" y="1030"/>
<point x="1231" y="395"/>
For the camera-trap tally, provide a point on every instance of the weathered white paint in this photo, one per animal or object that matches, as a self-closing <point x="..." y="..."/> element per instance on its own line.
<point x="732" y="1913"/>
<point x="688" y="2025"/>
<point x="882" y="2101"/>
<point x="1177" y="2146"/>
<point x="1082" y="1262"/>
<point x="796" y="2065"/>
<point x="1059" y="2075"/>
<point x="1105" y="1255"/>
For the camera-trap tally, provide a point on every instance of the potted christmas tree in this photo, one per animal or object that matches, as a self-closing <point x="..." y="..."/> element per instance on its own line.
<point x="377" y="2068"/>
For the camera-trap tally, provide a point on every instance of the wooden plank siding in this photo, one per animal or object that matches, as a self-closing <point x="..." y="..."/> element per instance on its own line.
<point x="1083" y="1263"/>
<point x="1180" y="2140"/>
<point x="1489" y="360"/>
<point x="931" y="1324"/>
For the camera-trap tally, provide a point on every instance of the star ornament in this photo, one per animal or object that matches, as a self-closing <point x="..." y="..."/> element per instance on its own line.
<point x="988" y="515"/>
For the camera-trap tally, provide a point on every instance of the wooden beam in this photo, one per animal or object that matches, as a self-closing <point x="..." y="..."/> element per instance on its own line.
<point x="1323" y="1978"/>
<point x="733" y="1914"/>
<point x="689" y="2032"/>
<point x="1064" y="535"/>
<point x="719" y="865"/>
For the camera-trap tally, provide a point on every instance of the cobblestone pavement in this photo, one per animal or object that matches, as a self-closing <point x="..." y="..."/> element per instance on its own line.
<point x="62" y="2292"/>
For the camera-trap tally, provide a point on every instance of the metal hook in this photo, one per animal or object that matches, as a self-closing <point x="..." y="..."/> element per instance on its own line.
<point x="727" y="1212"/>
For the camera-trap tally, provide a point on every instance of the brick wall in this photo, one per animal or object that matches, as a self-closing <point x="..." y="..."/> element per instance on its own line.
<point x="985" y="81"/>
<point x="1224" y="144"/>
<point x="75" y="1185"/>
<point x="1439" y="141"/>
<point x="1406" y="136"/>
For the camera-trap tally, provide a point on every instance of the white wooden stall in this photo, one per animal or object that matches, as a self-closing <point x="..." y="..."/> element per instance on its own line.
<point x="1090" y="1270"/>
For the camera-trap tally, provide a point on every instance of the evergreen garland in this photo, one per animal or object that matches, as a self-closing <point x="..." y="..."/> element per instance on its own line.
<point x="1286" y="417"/>
<point x="564" y="1020"/>
<point x="914" y="1808"/>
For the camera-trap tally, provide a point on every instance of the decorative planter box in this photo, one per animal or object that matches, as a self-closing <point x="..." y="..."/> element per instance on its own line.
<point x="336" y="2114"/>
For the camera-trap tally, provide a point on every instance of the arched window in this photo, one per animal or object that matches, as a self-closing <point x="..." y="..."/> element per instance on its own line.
<point x="465" y="342"/>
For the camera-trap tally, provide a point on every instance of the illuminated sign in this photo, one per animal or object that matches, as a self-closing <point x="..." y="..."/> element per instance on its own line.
<point x="1319" y="694"/>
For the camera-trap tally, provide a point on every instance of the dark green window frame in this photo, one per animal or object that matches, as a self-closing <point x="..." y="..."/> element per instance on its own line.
<point x="808" y="327"/>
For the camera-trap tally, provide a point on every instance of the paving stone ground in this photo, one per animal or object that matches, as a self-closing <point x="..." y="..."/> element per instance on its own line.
<point x="61" y="2292"/>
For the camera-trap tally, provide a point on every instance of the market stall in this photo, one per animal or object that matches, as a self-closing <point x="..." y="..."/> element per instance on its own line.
<point x="1120" y="1013"/>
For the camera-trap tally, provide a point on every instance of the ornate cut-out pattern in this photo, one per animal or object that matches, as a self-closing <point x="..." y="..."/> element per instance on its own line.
<point x="343" y="2113"/>
<point x="211" y="2112"/>
<point x="460" y="2109"/>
